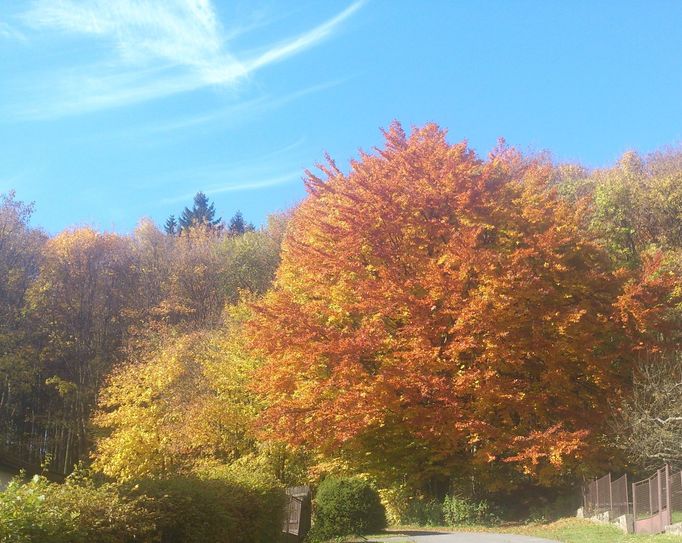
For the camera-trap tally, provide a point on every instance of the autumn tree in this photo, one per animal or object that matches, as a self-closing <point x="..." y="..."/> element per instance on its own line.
<point x="251" y="261"/>
<point x="20" y="256"/>
<point x="439" y="314"/>
<point x="80" y="300"/>
<point x="634" y="210"/>
<point x="634" y="206"/>
<point x="184" y="406"/>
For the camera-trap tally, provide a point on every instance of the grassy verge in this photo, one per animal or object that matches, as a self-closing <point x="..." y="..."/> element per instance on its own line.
<point x="583" y="531"/>
<point x="568" y="530"/>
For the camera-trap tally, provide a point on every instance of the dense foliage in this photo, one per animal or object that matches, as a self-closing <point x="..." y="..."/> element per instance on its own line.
<point x="184" y="510"/>
<point x="437" y="314"/>
<point x="76" y="305"/>
<point x="346" y="506"/>
<point x="72" y="513"/>
<point x="442" y="323"/>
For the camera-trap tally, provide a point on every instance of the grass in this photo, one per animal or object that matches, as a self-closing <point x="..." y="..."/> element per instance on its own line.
<point x="582" y="531"/>
<point x="569" y="530"/>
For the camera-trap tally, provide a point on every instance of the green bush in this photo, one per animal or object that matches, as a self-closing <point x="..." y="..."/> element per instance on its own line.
<point x="423" y="512"/>
<point x="346" y="506"/>
<point x="217" y="508"/>
<point x="73" y="512"/>
<point x="457" y="510"/>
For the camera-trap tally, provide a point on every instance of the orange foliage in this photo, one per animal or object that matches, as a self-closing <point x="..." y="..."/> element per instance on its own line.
<point x="432" y="297"/>
<point x="650" y="303"/>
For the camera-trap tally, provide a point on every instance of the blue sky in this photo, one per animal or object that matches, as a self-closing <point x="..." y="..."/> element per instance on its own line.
<point x="111" y="110"/>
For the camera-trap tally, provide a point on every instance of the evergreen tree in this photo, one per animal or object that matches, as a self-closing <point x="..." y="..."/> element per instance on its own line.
<point x="171" y="226"/>
<point x="201" y="213"/>
<point x="238" y="225"/>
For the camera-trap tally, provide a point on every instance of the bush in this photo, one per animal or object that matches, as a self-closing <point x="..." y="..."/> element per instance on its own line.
<point x="73" y="512"/>
<point x="217" y="508"/>
<point x="346" y="506"/>
<point x="423" y="512"/>
<point x="553" y="509"/>
<point x="457" y="510"/>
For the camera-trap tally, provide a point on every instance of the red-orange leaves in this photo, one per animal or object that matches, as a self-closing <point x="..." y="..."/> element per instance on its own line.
<point x="433" y="301"/>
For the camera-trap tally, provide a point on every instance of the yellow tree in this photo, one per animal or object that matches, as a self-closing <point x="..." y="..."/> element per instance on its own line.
<point x="81" y="301"/>
<point x="181" y="404"/>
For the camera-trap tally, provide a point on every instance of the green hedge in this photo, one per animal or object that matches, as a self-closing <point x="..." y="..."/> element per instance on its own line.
<point x="205" y="510"/>
<point x="346" y="506"/>
<point x="180" y="509"/>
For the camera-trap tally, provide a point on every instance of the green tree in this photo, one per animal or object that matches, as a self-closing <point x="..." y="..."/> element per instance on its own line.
<point x="238" y="225"/>
<point x="171" y="226"/>
<point x="201" y="213"/>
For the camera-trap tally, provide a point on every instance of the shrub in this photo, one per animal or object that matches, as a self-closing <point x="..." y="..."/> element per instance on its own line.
<point x="346" y="506"/>
<point x="553" y="509"/>
<point x="458" y="510"/>
<point x="423" y="512"/>
<point x="217" y="508"/>
<point x="73" y="512"/>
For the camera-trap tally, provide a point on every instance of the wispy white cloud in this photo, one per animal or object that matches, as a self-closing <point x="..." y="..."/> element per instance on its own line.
<point x="277" y="167"/>
<point x="238" y="187"/>
<point x="238" y="111"/>
<point x="149" y="49"/>
<point x="302" y="42"/>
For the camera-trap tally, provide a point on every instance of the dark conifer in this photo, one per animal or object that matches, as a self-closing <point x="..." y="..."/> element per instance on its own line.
<point x="171" y="226"/>
<point x="201" y="213"/>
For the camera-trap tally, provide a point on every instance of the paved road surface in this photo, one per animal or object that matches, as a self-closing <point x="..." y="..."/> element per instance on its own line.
<point x="431" y="537"/>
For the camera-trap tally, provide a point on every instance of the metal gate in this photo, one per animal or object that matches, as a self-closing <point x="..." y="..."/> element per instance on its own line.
<point x="651" y="503"/>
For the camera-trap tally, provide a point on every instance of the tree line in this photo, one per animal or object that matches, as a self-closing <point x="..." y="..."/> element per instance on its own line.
<point x="75" y="305"/>
<point x="432" y="318"/>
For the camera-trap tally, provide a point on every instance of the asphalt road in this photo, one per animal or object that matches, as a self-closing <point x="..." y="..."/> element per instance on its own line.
<point x="431" y="537"/>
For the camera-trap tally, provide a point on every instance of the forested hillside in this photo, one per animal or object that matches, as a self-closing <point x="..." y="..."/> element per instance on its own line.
<point x="428" y="317"/>
<point x="81" y="303"/>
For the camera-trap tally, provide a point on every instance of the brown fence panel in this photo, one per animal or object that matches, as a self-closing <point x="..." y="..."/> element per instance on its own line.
<point x="651" y="503"/>
<point x="606" y="496"/>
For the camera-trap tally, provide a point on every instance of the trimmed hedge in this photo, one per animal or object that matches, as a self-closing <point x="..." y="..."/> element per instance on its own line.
<point x="346" y="506"/>
<point x="204" y="510"/>
<point x="174" y="510"/>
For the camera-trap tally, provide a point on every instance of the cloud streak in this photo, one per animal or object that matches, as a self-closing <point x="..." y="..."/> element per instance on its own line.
<point x="236" y="112"/>
<point x="239" y="187"/>
<point x="147" y="50"/>
<point x="276" y="167"/>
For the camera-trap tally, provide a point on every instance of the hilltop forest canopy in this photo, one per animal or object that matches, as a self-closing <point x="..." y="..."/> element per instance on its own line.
<point x="431" y="318"/>
<point x="76" y="305"/>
